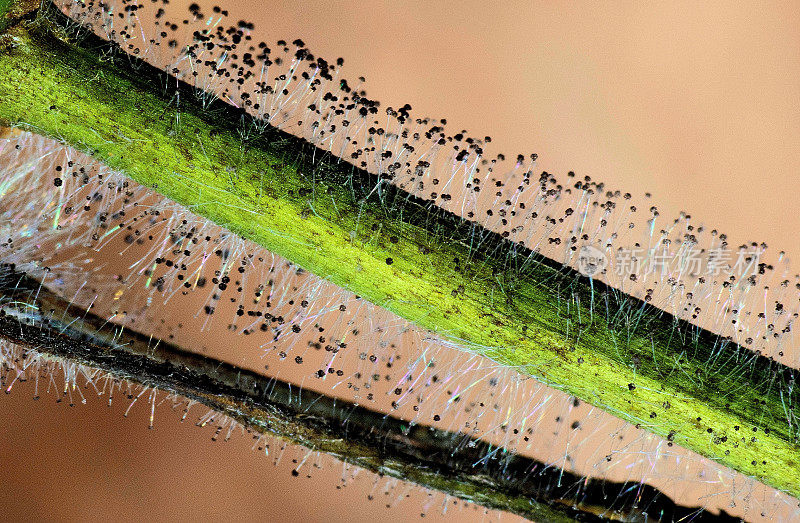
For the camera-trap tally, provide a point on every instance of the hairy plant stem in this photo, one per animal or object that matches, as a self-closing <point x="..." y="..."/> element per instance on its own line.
<point x="701" y="391"/>
<point x="32" y="317"/>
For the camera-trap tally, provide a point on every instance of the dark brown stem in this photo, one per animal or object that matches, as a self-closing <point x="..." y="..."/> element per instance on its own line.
<point x="37" y="319"/>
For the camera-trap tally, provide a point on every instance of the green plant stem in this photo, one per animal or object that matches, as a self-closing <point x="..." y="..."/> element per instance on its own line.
<point x="657" y="372"/>
<point x="12" y="11"/>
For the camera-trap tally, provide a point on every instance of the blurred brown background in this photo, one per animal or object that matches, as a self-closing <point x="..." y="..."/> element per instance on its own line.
<point x="696" y="104"/>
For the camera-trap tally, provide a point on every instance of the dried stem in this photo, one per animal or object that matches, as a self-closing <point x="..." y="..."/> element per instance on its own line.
<point x="33" y="317"/>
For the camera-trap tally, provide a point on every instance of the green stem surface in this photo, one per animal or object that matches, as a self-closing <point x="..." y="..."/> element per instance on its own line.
<point x="637" y="362"/>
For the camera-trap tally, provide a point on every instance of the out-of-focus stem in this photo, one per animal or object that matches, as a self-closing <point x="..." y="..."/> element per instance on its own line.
<point x="33" y="317"/>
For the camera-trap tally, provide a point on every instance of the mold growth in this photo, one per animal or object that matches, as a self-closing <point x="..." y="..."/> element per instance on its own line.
<point x="499" y="277"/>
<point x="128" y="260"/>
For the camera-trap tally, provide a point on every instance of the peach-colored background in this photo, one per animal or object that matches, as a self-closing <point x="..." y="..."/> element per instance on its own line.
<point x="697" y="104"/>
